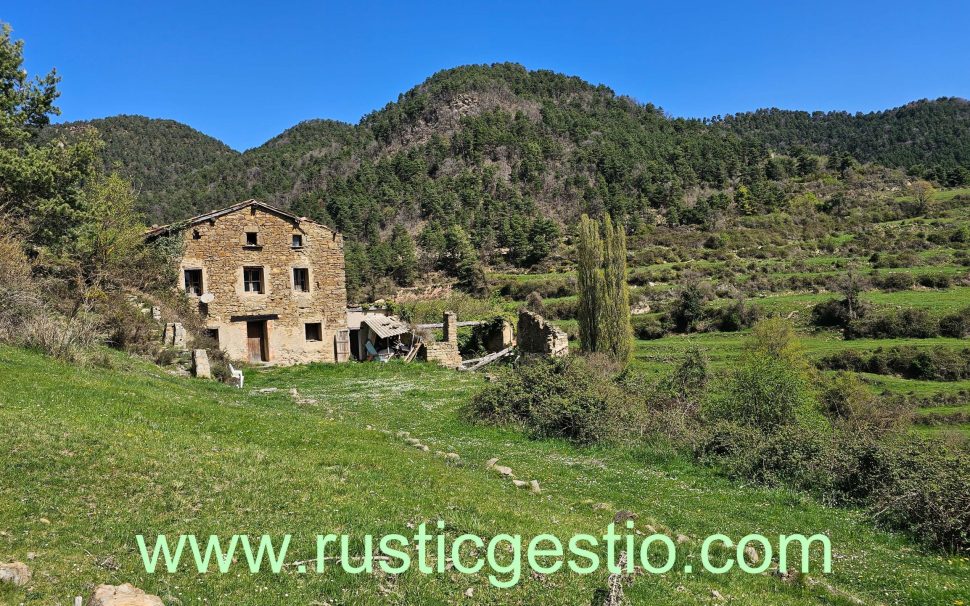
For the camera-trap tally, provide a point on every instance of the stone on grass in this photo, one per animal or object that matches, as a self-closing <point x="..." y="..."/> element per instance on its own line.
<point x="682" y="538"/>
<point x="15" y="573"/>
<point x="200" y="364"/>
<point x="503" y="470"/>
<point x="534" y="485"/>
<point x="452" y="456"/>
<point x="491" y="462"/>
<point x="122" y="595"/>
<point x="520" y="483"/>
<point x="752" y="555"/>
<point x="623" y="515"/>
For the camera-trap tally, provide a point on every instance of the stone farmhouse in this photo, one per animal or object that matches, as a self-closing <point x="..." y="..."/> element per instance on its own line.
<point x="270" y="286"/>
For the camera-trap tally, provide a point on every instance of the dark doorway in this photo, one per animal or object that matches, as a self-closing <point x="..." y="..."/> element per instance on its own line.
<point x="256" y="341"/>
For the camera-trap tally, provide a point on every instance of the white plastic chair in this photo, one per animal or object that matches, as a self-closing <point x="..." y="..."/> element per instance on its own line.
<point x="236" y="374"/>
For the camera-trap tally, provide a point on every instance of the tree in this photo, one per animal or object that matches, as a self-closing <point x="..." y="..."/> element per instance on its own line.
<point x="25" y="106"/>
<point x="542" y="237"/>
<point x="688" y="308"/>
<point x="404" y="256"/>
<point x="603" y="310"/>
<point x="615" y="332"/>
<point x="922" y="192"/>
<point x="589" y="283"/>
<point x="461" y="261"/>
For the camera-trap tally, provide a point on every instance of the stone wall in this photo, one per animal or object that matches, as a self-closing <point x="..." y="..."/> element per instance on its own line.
<point x="445" y="352"/>
<point x="537" y="336"/>
<point x="219" y="249"/>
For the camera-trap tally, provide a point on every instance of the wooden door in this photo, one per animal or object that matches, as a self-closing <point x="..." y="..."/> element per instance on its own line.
<point x="342" y="346"/>
<point x="256" y="340"/>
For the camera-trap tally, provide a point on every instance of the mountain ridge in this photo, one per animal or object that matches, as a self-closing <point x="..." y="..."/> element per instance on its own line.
<point x="501" y="138"/>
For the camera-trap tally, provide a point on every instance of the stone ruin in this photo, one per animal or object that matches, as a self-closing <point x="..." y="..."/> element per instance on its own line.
<point x="174" y="335"/>
<point x="445" y="352"/>
<point x="537" y="336"/>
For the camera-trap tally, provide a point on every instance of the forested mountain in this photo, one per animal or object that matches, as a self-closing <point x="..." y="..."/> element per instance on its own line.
<point x="931" y="137"/>
<point x="496" y="159"/>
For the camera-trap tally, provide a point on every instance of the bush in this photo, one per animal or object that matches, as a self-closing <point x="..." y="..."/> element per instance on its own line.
<point x="647" y="327"/>
<point x="846" y="399"/>
<point x="554" y="397"/>
<point x="19" y="296"/>
<point x="895" y="281"/>
<point x="931" y="364"/>
<point x="956" y="325"/>
<point x="925" y="490"/>
<point x="914" y="323"/>
<point x="739" y="315"/>
<point x="833" y="313"/>
<point x="765" y="392"/>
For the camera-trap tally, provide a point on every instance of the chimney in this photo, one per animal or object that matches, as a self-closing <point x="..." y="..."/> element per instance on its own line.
<point x="450" y="326"/>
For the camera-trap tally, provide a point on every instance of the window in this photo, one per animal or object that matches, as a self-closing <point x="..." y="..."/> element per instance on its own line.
<point x="193" y="281"/>
<point x="301" y="279"/>
<point x="297" y="240"/>
<point x="196" y="235"/>
<point x="212" y="333"/>
<point x="252" y="238"/>
<point x="314" y="331"/>
<point x="253" y="279"/>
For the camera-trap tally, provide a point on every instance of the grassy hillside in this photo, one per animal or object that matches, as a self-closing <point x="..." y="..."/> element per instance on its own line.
<point x="93" y="457"/>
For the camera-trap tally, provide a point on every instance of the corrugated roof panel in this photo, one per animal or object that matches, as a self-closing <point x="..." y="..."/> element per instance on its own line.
<point x="386" y="326"/>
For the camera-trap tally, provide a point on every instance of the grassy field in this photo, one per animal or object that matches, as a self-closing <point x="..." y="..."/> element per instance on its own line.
<point x="93" y="457"/>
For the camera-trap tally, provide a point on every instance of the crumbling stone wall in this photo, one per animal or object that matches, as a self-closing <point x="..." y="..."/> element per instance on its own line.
<point x="537" y="336"/>
<point x="445" y="352"/>
<point x="218" y="247"/>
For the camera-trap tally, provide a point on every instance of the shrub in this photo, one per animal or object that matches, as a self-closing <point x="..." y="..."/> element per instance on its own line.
<point x="956" y="325"/>
<point x="647" y="327"/>
<point x="739" y="315"/>
<point x="833" y="313"/>
<point x="895" y="281"/>
<point x="909" y="322"/>
<point x="688" y="308"/>
<point x="765" y="392"/>
<point x="940" y="281"/>
<point x="925" y="489"/>
<point x="846" y="399"/>
<point x="931" y="364"/>
<point x="554" y="397"/>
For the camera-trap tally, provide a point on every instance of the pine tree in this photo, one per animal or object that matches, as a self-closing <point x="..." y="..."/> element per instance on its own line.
<point x="589" y="282"/>
<point x="405" y="257"/>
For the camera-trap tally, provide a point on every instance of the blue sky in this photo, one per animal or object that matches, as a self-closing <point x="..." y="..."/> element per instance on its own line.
<point x="243" y="71"/>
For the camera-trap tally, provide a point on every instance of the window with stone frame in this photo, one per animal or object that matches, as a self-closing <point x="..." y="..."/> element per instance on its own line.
<point x="193" y="282"/>
<point x="314" y="331"/>
<point x="253" y="281"/>
<point x="301" y="279"/>
<point x="297" y="241"/>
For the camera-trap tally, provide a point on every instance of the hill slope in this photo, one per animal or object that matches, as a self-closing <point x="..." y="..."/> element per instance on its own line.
<point x="105" y="454"/>
<point x="485" y="145"/>
<point x="929" y="135"/>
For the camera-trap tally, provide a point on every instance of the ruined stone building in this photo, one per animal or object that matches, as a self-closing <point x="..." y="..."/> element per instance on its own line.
<point x="270" y="286"/>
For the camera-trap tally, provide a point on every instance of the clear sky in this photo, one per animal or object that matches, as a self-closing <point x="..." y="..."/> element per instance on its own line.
<point x="243" y="71"/>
